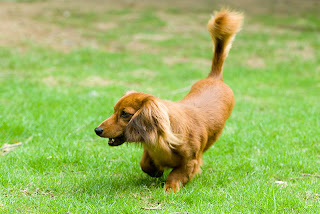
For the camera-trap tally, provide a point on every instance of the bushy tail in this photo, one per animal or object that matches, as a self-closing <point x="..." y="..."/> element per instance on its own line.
<point x="222" y="28"/>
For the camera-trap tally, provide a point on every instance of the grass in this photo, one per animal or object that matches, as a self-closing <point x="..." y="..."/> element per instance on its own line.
<point x="267" y="160"/>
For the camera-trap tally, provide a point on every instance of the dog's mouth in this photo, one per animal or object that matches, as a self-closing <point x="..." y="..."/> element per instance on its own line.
<point x="117" y="141"/>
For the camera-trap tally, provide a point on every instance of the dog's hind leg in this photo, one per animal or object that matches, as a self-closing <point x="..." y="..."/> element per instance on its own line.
<point x="149" y="167"/>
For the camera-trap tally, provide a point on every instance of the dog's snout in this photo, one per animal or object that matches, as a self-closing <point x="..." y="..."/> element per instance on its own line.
<point x="98" y="131"/>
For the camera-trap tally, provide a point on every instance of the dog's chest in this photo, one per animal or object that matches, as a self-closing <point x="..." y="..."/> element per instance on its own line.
<point x="164" y="158"/>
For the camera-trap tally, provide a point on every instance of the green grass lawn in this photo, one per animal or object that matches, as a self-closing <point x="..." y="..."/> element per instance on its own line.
<point x="53" y="94"/>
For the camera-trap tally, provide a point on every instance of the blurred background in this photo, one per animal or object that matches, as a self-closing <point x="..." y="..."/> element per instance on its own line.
<point x="64" y="25"/>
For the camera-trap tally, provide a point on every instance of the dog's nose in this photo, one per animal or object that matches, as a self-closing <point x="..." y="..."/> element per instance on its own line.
<point x="98" y="131"/>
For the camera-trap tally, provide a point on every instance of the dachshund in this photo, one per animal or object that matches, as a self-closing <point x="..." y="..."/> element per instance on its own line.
<point x="176" y="134"/>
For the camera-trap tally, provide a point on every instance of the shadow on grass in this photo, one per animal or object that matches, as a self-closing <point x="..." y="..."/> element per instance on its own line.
<point x="113" y="184"/>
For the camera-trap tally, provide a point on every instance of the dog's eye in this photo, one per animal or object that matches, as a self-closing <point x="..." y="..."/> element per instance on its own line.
<point x="125" y="114"/>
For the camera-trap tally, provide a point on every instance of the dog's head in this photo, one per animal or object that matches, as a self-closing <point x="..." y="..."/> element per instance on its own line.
<point x="137" y="117"/>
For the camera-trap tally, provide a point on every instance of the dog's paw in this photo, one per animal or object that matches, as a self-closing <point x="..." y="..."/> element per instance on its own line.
<point x="172" y="186"/>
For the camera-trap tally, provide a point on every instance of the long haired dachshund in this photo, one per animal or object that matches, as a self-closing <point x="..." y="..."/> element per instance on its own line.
<point x="176" y="134"/>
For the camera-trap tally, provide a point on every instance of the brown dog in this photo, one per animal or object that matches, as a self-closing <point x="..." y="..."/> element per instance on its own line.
<point x="175" y="134"/>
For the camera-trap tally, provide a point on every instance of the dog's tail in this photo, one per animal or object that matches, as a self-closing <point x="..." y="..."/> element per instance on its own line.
<point x="222" y="28"/>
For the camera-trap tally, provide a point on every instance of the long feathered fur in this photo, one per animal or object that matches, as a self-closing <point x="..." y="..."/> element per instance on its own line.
<point x="151" y="124"/>
<point x="222" y="27"/>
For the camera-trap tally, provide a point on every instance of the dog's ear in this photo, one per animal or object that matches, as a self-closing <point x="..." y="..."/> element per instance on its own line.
<point x="150" y="124"/>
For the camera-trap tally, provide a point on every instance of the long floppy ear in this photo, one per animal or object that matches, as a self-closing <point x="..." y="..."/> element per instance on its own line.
<point x="151" y="124"/>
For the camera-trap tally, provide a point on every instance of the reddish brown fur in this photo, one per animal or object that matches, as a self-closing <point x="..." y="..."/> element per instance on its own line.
<point x="175" y="134"/>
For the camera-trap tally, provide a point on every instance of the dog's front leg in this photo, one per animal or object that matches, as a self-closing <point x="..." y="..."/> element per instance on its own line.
<point x="149" y="167"/>
<point x="181" y="175"/>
